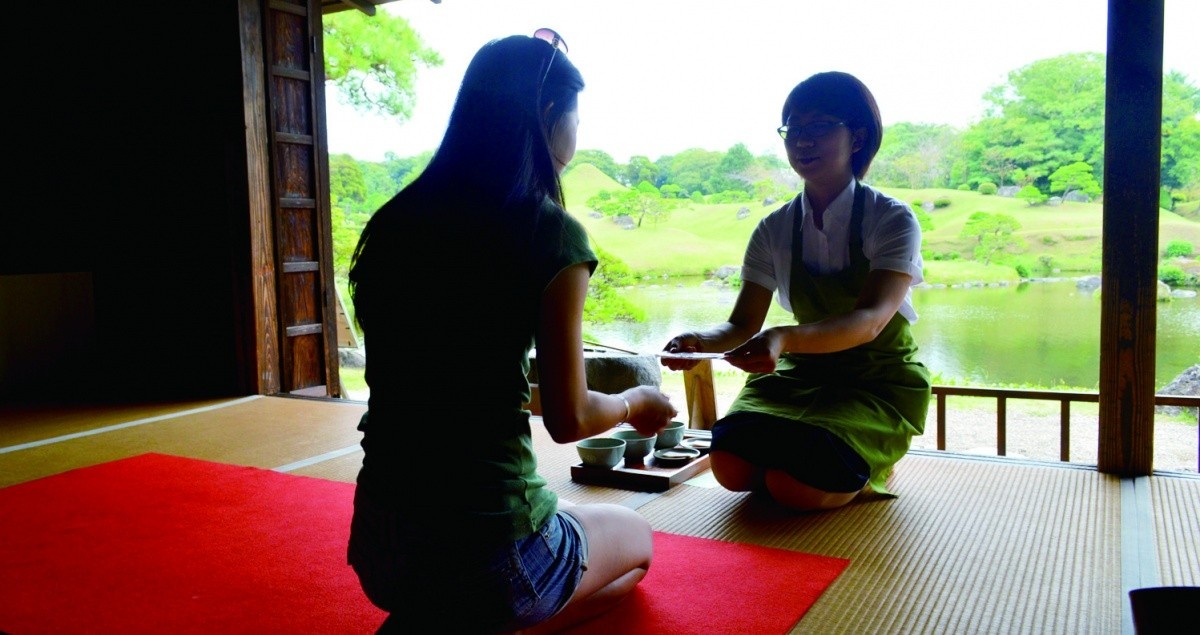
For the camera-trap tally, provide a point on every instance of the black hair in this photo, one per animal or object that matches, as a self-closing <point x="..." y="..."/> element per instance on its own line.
<point x="494" y="167"/>
<point x="499" y="131"/>
<point x="844" y="96"/>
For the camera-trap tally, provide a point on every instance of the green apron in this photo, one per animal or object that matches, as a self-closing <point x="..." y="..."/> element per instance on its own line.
<point x="874" y="396"/>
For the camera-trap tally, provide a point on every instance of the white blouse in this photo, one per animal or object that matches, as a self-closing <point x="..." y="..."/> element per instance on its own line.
<point x="891" y="241"/>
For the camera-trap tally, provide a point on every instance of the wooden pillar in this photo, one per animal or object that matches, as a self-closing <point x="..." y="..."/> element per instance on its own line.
<point x="1132" y="129"/>
<point x="701" y="396"/>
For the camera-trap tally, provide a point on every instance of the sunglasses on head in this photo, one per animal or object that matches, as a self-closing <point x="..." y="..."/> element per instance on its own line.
<point x="551" y="37"/>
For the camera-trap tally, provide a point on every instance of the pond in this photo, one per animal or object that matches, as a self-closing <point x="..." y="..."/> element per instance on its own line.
<point x="1038" y="334"/>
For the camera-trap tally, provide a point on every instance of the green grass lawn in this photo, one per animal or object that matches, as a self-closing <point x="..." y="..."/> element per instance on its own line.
<point x="699" y="238"/>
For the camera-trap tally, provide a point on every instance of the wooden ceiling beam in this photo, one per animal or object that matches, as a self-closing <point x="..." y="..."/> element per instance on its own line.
<point x="362" y="5"/>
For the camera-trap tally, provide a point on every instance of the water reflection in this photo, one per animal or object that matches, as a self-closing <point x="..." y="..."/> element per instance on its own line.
<point x="1043" y="334"/>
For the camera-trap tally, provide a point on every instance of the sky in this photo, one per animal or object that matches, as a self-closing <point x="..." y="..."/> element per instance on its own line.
<point x="663" y="76"/>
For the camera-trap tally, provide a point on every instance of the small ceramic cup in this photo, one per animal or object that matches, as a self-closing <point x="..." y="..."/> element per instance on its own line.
<point x="670" y="436"/>
<point x="637" y="445"/>
<point x="603" y="452"/>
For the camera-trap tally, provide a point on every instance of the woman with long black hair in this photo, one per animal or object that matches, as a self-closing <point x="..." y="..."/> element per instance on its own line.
<point x="454" y="281"/>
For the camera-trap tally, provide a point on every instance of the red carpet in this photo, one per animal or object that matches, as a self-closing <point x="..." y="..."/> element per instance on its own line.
<point x="163" y="544"/>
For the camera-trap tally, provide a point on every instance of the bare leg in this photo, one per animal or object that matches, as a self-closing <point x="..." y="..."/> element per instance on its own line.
<point x="792" y="493"/>
<point x="735" y="473"/>
<point x="620" y="545"/>
<point x="738" y="475"/>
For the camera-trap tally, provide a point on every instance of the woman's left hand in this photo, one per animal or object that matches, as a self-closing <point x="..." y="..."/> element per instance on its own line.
<point x="759" y="353"/>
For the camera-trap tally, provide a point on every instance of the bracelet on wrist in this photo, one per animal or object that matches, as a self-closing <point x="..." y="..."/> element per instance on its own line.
<point x="627" y="411"/>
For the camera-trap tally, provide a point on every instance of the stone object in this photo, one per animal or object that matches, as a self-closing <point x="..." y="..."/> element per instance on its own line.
<point x="724" y="271"/>
<point x="613" y="372"/>
<point x="1186" y="384"/>
<point x="349" y="357"/>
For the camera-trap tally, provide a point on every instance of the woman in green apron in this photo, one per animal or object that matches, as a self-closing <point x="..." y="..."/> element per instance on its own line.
<point x="832" y="402"/>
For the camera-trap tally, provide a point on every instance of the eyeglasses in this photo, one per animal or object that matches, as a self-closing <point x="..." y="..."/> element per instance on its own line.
<point x="809" y="132"/>
<point x="551" y="37"/>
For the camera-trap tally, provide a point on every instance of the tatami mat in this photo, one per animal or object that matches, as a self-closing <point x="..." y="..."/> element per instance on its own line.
<point x="262" y="432"/>
<point x="36" y="422"/>
<point x="967" y="547"/>
<point x="1176" y="507"/>
<point x="970" y="545"/>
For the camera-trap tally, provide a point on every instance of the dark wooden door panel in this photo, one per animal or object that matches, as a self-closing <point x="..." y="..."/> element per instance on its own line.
<point x="300" y="218"/>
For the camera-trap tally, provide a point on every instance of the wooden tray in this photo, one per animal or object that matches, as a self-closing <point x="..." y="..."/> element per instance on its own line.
<point x="650" y="477"/>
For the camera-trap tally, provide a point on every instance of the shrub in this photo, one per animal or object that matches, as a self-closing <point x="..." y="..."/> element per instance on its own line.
<point x="1046" y="261"/>
<point x="941" y="202"/>
<point x="1022" y="270"/>
<point x="1032" y="195"/>
<point x="917" y="203"/>
<point x="1175" y="277"/>
<point x="945" y="255"/>
<point x="923" y="219"/>
<point x="1049" y="241"/>
<point x="1179" y="249"/>
<point x="964" y="187"/>
<point x="1164" y="199"/>
<point x="987" y="188"/>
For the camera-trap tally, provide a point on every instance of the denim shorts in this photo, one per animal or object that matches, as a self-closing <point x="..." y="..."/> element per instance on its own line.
<point x="510" y="588"/>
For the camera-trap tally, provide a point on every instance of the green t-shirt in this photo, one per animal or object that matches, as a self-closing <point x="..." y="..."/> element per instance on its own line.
<point x="447" y="442"/>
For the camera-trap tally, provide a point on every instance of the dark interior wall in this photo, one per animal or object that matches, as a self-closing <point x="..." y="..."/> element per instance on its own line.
<point x="131" y="170"/>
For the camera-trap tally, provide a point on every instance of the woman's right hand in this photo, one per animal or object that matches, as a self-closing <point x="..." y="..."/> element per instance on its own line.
<point x="653" y="410"/>
<point x="683" y="343"/>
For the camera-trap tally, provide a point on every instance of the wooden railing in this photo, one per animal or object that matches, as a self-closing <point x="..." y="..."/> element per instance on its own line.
<point x="702" y="407"/>
<point x="1064" y="398"/>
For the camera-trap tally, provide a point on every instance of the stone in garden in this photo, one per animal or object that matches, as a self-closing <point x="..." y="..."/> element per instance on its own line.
<point x="350" y="357"/>
<point x="1186" y="384"/>
<point x="725" y="271"/>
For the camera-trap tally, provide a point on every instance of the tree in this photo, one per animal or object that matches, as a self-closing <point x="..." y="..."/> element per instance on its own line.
<point x="643" y="203"/>
<point x="691" y="169"/>
<point x="601" y="159"/>
<point x="373" y="60"/>
<point x="1048" y="114"/>
<point x="1076" y="176"/>
<point x="730" y="173"/>
<point x="603" y="302"/>
<point x="1181" y="133"/>
<point x="992" y="233"/>
<point x="346" y="182"/>
<point x="639" y="169"/>
<point x="916" y="156"/>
